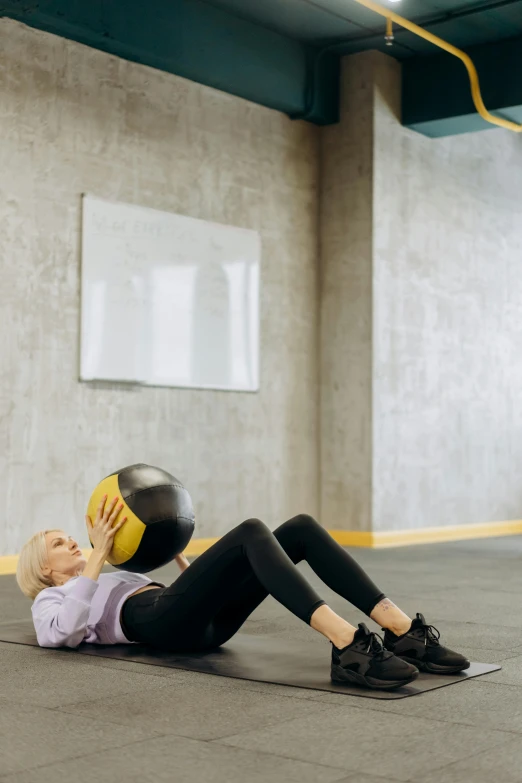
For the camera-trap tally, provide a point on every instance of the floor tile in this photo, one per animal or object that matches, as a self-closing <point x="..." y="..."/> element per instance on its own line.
<point x="197" y="709"/>
<point x="168" y="759"/>
<point x="503" y="764"/>
<point x="371" y="742"/>
<point x="476" y="703"/>
<point x="64" y="678"/>
<point x="32" y="736"/>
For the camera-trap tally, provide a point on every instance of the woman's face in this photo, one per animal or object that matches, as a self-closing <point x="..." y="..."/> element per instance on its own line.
<point x="64" y="557"/>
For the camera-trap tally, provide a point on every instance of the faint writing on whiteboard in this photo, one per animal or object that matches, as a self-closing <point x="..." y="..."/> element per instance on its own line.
<point x="168" y="300"/>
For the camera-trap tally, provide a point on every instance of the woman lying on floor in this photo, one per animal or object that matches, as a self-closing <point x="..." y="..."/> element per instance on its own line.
<point x="212" y="598"/>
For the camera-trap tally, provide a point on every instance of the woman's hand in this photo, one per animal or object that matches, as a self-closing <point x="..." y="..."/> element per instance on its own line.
<point x="105" y="527"/>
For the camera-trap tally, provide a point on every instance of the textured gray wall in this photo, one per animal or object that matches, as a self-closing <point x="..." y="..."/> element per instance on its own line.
<point x="421" y="317"/>
<point x="419" y="294"/>
<point x="447" y="322"/>
<point x="346" y="304"/>
<point x="71" y="120"/>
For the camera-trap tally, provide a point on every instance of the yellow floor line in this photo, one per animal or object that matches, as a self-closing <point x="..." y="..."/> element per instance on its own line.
<point x="428" y="535"/>
<point x="356" y="538"/>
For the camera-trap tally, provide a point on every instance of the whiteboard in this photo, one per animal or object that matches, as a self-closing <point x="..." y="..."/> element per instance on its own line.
<point x="167" y="300"/>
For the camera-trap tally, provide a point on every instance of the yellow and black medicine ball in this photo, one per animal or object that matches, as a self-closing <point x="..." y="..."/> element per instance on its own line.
<point x="160" y="517"/>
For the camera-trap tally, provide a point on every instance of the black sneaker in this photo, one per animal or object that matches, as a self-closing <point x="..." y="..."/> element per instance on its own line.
<point x="366" y="662"/>
<point x="421" y="647"/>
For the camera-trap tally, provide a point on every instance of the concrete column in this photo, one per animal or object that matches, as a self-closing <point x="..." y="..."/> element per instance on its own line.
<point x="345" y="292"/>
<point x="421" y="317"/>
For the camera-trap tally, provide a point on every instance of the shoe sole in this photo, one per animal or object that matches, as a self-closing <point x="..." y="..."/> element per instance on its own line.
<point x="344" y="677"/>
<point x="433" y="668"/>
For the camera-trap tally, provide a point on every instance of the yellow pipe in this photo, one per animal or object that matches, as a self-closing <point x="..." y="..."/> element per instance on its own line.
<point x="466" y="59"/>
<point x="389" y="32"/>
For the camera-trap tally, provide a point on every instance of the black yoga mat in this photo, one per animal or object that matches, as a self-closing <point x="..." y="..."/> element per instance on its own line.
<point x="263" y="658"/>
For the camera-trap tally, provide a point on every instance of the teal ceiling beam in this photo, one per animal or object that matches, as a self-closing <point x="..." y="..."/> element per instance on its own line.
<point x="436" y="95"/>
<point x="200" y="42"/>
<point x="209" y="45"/>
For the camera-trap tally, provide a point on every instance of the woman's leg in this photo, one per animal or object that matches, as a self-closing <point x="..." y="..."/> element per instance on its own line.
<point x="302" y="538"/>
<point x="214" y="597"/>
<point x="389" y="616"/>
<point x="185" y="615"/>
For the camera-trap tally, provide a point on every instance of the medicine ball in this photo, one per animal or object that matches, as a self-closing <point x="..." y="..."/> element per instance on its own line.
<point x="160" y="517"/>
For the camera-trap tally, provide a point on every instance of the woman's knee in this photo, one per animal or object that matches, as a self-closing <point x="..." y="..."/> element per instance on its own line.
<point x="302" y="522"/>
<point x="253" y="526"/>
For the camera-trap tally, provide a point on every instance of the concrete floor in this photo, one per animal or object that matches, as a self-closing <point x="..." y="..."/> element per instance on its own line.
<point x="90" y="720"/>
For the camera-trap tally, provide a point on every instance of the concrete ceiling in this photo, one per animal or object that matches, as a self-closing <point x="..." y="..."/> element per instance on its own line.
<point x="320" y="22"/>
<point x="285" y="53"/>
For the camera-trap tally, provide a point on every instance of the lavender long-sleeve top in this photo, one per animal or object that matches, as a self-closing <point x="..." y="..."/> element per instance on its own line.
<point x="84" y="610"/>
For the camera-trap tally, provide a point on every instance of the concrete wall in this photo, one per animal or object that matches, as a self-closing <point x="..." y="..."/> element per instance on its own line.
<point x="71" y="120"/>
<point x="421" y="317"/>
<point x="418" y="288"/>
<point x="346" y="282"/>
<point x="447" y="418"/>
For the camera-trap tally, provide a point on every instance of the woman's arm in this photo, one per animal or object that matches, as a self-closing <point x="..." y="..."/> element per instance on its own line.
<point x="61" y="621"/>
<point x="182" y="561"/>
<point x="94" y="565"/>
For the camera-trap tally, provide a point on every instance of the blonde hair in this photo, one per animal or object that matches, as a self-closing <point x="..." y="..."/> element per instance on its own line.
<point x="31" y="562"/>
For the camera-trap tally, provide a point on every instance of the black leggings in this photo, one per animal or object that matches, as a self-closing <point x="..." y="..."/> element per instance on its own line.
<point x="212" y="598"/>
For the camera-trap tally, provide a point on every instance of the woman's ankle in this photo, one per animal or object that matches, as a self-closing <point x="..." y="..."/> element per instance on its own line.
<point x="337" y="630"/>
<point x="343" y="640"/>
<point x="390" y="617"/>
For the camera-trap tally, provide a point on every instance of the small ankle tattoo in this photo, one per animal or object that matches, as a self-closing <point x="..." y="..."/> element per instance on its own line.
<point x="385" y="605"/>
